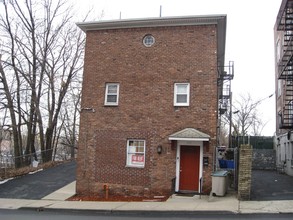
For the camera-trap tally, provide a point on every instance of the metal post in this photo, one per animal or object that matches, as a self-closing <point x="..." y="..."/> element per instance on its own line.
<point x="230" y="115"/>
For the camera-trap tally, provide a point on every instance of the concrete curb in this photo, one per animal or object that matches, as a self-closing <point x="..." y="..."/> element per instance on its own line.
<point x="132" y="212"/>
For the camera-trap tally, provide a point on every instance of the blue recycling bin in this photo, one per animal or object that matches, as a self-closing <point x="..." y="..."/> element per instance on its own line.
<point x="230" y="164"/>
<point x="222" y="163"/>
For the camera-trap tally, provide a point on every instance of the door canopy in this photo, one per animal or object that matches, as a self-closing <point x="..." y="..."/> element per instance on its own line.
<point x="189" y="134"/>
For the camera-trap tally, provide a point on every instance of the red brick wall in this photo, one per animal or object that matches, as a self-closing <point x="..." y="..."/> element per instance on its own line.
<point x="146" y="110"/>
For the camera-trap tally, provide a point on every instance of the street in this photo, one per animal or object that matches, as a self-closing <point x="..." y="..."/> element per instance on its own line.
<point x="72" y="215"/>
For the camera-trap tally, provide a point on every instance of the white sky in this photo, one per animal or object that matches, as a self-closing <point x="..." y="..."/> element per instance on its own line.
<point x="249" y="38"/>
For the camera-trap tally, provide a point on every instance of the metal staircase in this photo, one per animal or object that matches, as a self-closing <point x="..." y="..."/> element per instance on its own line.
<point x="285" y="63"/>
<point x="225" y="75"/>
<point x="287" y="112"/>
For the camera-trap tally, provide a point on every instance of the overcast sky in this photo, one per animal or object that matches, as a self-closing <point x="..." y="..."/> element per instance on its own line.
<point x="249" y="38"/>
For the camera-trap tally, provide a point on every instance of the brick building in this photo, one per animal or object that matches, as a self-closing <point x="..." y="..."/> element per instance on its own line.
<point x="283" y="44"/>
<point x="150" y="105"/>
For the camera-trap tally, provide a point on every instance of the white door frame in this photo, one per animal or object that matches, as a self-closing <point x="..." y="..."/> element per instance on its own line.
<point x="188" y="143"/>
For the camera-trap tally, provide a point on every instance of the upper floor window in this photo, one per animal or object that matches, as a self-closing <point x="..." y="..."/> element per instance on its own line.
<point x="279" y="87"/>
<point x="112" y="94"/>
<point x="278" y="48"/>
<point x="181" y="94"/>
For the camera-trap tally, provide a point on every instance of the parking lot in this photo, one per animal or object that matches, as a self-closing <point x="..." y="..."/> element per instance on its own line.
<point x="39" y="184"/>
<point x="270" y="185"/>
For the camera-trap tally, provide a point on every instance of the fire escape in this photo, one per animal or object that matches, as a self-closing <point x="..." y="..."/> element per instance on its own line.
<point x="285" y="64"/>
<point x="225" y="75"/>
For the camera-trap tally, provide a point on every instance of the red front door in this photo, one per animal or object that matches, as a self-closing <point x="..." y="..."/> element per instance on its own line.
<point x="189" y="168"/>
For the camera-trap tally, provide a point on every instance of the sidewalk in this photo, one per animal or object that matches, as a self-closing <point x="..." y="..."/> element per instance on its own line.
<point x="175" y="203"/>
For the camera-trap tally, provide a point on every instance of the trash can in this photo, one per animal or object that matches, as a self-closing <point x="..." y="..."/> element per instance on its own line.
<point x="219" y="183"/>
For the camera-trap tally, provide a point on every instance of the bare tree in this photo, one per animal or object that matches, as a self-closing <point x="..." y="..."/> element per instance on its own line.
<point x="9" y="103"/>
<point x="67" y="131"/>
<point x="246" y="119"/>
<point x="43" y="54"/>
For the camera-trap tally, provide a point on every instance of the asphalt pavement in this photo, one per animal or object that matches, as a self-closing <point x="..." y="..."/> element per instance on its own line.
<point x="269" y="185"/>
<point x="266" y="185"/>
<point x="74" y="215"/>
<point x="39" y="184"/>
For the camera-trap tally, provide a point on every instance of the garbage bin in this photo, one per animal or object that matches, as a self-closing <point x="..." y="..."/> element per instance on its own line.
<point x="219" y="183"/>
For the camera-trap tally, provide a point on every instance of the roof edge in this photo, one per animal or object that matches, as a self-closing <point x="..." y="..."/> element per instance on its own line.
<point x="152" y="22"/>
<point x="187" y="139"/>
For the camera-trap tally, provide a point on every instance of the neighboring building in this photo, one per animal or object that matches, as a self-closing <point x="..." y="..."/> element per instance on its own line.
<point x="284" y="86"/>
<point x="150" y="100"/>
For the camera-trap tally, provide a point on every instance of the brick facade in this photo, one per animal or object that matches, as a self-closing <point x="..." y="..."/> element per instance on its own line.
<point x="146" y="76"/>
<point x="245" y="168"/>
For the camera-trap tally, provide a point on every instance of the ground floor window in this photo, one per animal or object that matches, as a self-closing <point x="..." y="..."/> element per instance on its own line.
<point x="135" y="153"/>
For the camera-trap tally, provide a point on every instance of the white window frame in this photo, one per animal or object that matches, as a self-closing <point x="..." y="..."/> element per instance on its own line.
<point x="280" y="83"/>
<point x="139" y="162"/>
<point x="176" y="103"/>
<point x="107" y="94"/>
<point x="291" y="155"/>
<point x="278" y="48"/>
<point x="148" y="40"/>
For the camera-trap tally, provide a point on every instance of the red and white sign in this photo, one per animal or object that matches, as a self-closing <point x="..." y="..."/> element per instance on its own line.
<point x="137" y="159"/>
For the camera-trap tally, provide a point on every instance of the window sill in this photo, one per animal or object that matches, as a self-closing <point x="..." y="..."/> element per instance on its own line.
<point x="130" y="166"/>
<point x="187" y="105"/>
<point x="111" y="105"/>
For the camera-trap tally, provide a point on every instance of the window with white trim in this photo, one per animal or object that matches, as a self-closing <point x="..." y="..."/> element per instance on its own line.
<point x="291" y="155"/>
<point x="181" y="94"/>
<point x="280" y="81"/>
<point x="112" y="94"/>
<point x="148" y="40"/>
<point x="278" y="48"/>
<point x="135" y="153"/>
